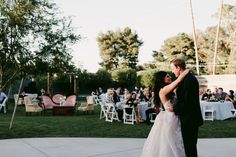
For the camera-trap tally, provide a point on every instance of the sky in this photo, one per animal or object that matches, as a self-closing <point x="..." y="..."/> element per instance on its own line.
<point x="153" y="20"/>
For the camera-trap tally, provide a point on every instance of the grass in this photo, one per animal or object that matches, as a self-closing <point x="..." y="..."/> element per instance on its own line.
<point x="89" y="125"/>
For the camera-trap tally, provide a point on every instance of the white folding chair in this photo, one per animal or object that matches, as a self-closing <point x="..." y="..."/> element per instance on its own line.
<point x="103" y="112"/>
<point x="30" y="106"/>
<point x="96" y="100"/>
<point x="3" y="105"/>
<point x="111" y="113"/>
<point x="88" y="106"/>
<point x="233" y="110"/>
<point x="152" y="117"/>
<point x="209" y="112"/>
<point x="128" y="115"/>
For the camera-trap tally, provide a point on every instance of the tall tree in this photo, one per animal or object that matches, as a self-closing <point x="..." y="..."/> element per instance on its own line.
<point x="206" y="42"/>
<point x="226" y="53"/>
<point x="229" y="25"/>
<point x="32" y="35"/>
<point x="181" y="45"/>
<point x="119" y="49"/>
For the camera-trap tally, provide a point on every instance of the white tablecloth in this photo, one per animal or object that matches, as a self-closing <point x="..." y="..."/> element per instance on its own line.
<point x="223" y="109"/>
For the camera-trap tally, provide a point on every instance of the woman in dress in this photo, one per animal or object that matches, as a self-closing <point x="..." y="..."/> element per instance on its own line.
<point x="165" y="137"/>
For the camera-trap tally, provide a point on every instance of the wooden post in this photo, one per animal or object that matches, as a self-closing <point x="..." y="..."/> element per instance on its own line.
<point x="217" y="37"/>
<point x="75" y="91"/>
<point x="48" y="83"/>
<point x="14" y="112"/>
<point x="194" y="38"/>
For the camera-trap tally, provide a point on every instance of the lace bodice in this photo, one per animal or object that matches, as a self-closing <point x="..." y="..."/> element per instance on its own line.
<point x="170" y="103"/>
<point x="167" y="104"/>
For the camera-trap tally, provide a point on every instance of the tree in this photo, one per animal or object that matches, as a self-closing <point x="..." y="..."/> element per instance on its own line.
<point x="179" y="46"/>
<point x="229" y="25"/>
<point x="206" y="44"/>
<point x="119" y="49"/>
<point x="226" y="52"/>
<point x="33" y="36"/>
<point x="125" y="78"/>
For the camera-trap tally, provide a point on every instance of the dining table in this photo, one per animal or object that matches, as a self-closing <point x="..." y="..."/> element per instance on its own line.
<point x="222" y="108"/>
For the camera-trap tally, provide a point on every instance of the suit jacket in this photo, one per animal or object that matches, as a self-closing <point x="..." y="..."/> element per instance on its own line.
<point x="187" y="106"/>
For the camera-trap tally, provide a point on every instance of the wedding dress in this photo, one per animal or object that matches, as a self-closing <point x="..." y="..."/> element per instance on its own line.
<point x="165" y="137"/>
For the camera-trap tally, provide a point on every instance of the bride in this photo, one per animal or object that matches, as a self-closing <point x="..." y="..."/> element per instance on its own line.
<point x="165" y="137"/>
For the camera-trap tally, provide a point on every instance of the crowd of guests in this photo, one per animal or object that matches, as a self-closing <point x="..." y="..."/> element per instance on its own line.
<point x="123" y="97"/>
<point x="120" y="97"/>
<point x="219" y="95"/>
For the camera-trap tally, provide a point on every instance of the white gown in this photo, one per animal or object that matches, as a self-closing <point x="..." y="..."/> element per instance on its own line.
<point x="165" y="137"/>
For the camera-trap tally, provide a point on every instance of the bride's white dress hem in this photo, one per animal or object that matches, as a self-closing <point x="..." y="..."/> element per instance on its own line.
<point x="165" y="137"/>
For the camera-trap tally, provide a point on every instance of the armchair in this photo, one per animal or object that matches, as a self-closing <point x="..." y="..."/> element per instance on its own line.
<point x="88" y="106"/>
<point x="30" y="107"/>
<point x="20" y="101"/>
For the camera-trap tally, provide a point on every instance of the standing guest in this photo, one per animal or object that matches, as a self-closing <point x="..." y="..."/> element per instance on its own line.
<point x="32" y="88"/>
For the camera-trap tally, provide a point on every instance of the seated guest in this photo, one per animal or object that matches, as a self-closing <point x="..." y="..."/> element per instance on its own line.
<point x="41" y="93"/>
<point x="126" y="92"/>
<point x="201" y="92"/>
<point x="151" y="109"/>
<point x="116" y="97"/>
<point x="145" y="96"/>
<point x="207" y="95"/>
<point x="22" y="95"/>
<point x="132" y="101"/>
<point x="99" y="91"/>
<point x="220" y="95"/>
<point x="215" y="91"/>
<point x="3" y="96"/>
<point x="109" y="96"/>
<point x="118" y="103"/>
<point x="231" y="98"/>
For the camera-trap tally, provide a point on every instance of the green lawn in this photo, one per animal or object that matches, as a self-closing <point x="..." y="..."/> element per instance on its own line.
<point x="89" y="125"/>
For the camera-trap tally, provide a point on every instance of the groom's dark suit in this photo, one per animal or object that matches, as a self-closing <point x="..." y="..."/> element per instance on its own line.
<point x="189" y="112"/>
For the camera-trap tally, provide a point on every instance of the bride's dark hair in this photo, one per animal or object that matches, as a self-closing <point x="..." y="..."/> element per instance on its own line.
<point x="157" y="84"/>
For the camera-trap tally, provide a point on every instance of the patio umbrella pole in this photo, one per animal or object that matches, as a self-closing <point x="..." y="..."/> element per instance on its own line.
<point x="13" y="115"/>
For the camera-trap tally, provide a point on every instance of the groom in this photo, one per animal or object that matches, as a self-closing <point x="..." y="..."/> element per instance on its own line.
<point x="187" y="107"/>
